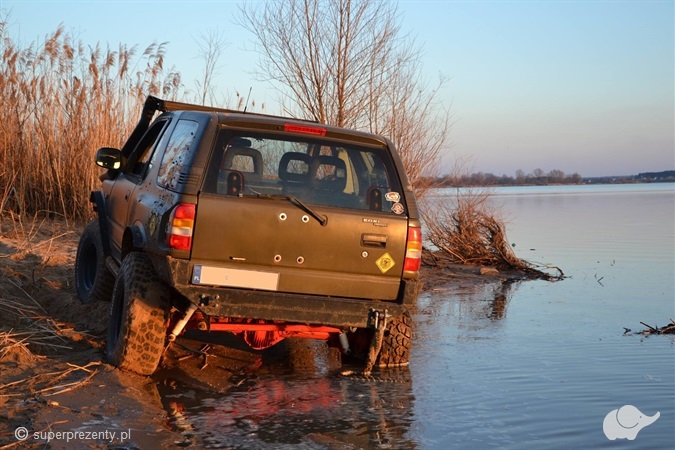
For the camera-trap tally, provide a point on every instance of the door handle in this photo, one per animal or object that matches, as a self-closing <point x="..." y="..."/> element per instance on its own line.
<point x="374" y="240"/>
<point x="126" y="197"/>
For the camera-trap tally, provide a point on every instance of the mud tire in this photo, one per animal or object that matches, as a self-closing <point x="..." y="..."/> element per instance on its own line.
<point x="139" y="317"/>
<point x="93" y="281"/>
<point x="396" y="343"/>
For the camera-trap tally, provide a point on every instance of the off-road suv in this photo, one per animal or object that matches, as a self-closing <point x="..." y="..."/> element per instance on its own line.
<point x="263" y="226"/>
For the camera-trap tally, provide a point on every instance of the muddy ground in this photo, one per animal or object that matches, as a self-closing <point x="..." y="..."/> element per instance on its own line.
<point x="55" y="385"/>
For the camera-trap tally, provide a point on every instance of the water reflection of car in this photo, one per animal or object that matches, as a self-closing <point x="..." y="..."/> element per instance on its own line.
<point x="275" y="411"/>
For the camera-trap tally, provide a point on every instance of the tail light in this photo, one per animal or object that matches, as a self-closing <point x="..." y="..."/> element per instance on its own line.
<point x="316" y="131"/>
<point x="181" y="225"/>
<point x="413" y="251"/>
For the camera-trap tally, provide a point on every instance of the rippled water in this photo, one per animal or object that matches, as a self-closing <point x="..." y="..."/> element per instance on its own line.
<point x="513" y="365"/>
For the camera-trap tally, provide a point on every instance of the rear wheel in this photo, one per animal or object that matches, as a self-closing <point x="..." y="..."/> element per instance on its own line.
<point x="396" y="342"/>
<point x="93" y="280"/>
<point x="139" y="317"/>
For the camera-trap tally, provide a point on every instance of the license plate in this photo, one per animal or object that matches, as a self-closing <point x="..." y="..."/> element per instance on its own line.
<point x="221" y="276"/>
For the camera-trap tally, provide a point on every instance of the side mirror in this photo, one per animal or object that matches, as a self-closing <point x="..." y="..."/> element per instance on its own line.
<point x="109" y="158"/>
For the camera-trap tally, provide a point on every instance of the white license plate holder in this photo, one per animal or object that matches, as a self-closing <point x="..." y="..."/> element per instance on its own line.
<point x="237" y="278"/>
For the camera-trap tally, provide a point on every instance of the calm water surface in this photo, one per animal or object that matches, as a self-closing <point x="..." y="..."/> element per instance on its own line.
<point x="545" y="370"/>
<point x="514" y="365"/>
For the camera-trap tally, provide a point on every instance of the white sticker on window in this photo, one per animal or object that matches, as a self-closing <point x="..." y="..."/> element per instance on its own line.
<point x="398" y="208"/>
<point x="392" y="197"/>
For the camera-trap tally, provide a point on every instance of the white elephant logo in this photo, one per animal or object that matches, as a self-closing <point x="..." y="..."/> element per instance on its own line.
<point x="626" y="422"/>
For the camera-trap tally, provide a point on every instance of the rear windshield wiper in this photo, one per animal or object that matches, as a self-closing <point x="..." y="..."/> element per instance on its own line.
<point x="323" y="220"/>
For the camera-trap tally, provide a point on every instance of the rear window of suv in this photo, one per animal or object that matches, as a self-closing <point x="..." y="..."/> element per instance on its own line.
<point x="315" y="171"/>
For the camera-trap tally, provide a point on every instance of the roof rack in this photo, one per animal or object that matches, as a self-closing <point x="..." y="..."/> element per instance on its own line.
<point x="153" y="104"/>
<point x="157" y="104"/>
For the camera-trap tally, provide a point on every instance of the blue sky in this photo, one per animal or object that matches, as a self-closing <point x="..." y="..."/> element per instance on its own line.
<point x="579" y="86"/>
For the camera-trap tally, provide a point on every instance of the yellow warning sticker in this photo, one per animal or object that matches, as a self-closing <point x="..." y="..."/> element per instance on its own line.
<point x="385" y="262"/>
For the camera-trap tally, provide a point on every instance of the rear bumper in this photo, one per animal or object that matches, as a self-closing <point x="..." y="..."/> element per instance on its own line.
<point x="269" y="305"/>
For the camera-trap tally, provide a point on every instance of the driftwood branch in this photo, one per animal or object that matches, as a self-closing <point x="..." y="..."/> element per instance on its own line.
<point x="668" y="329"/>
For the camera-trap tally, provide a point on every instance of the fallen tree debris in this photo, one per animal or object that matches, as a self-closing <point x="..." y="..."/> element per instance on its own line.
<point x="44" y="383"/>
<point x="668" y="329"/>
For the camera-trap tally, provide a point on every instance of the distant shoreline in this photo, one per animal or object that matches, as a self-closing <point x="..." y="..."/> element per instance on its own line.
<point x="490" y="180"/>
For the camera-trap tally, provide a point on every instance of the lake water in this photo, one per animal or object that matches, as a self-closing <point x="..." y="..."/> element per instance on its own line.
<point x="532" y="364"/>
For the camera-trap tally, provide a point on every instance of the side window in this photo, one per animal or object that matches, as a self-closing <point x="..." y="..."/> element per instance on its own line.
<point x="178" y="154"/>
<point x="140" y="158"/>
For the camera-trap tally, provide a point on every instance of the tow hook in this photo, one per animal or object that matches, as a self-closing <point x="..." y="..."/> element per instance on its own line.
<point x="379" y="320"/>
<point x="376" y="317"/>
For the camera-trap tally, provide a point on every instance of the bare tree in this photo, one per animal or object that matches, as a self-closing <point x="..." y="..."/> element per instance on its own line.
<point x="348" y="63"/>
<point x="211" y="45"/>
<point x="556" y="176"/>
<point x="520" y="176"/>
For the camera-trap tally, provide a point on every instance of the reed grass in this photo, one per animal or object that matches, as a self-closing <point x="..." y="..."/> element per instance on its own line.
<point x="31" y="327"/>
<point x="61" y="101"/>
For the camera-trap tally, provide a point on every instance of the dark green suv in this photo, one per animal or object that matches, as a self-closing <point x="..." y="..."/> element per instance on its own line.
<point x="266" y="227"/>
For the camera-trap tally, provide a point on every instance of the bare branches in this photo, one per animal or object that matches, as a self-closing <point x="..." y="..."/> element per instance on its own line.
<point x="464" y="225"/>
<point x="347" y="63"/>
<point x="210" y="48"/>
<point x="668" y="329"/>
<point x="465" y="228"/>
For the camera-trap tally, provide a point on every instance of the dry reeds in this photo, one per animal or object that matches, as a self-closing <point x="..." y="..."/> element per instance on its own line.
<point x="32" y="329"/>
<point x="62" y="100"/>
<point x="50" y="383"/>
<point x="31" y="326"/>
<point x="14" y="346"/>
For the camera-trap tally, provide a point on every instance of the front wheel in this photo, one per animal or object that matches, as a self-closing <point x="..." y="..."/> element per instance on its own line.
<point x="93" y="280"/>
<point x="139" y="317"/>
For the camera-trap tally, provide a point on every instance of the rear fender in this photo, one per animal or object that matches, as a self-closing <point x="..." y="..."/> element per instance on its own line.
<point x="135" y="240"/>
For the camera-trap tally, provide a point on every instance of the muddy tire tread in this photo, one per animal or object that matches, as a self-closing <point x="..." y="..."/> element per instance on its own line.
<point x="397" y="342"/>
<point x="144" y="317"/>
